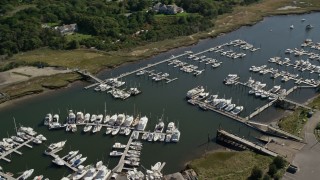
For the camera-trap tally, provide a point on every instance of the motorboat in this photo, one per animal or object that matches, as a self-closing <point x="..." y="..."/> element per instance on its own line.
<point x="47" y="119"/>
<point x="96" y="128"/>
<point x="115" y="153"/>
<point x="150" y="137"/>
<point x="71" y="117"/>
<point x="93" y="118"/>
<point x="79" y="161"/>
<point x="17" y="139"/>
<point x="71" y="155"/>
<point x="230" y="107"/>
<point x="113" y="119"/>
<point x="171" y="126"/>
<point x="99" y="119"/>
<point x="142" y="123"/>
<point x="106" y="119"/>
<point x="237" y="110"/>
<point x="118" y="145"/>
<point x="168" y="137"/>
<point x="81" y="172"/>
<point x="87" y="128"/>
<point x="26" y="174"/>
<point x="115" y="130"/>
<point x="41" y="137"/>
<point x="159" y="127"/>
<point x="162" y="137"/>
<point x="77" y="157"/>
<point x="175" y="135"/>
<point x="131" y="163"/>
<point x="275" y="89"/>
<point x="120" y="119"/>
<point x="58" y="161"/>
<point x="145" y="135"/>
<point x="134" y="152"/>
<point x="127" y="131"/>
<point x="27" y="130"/>
<point x="109" y="130"/>
<point x="291" y="27"/>
<point x="79" y="117"/>
<point x="156" y="167"/>
<point x="135" y="135"/>
<point x="36" y="141"/>
<point x="103" y="173"/>
<point x="91" y="173"/>
<point x="54" y="146"/>
<point x="128" y="120"/>
<point x="86" y="117"/>
<point x="195" y="91"/>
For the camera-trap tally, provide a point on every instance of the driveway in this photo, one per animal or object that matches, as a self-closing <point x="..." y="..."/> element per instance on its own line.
<point x="308" y="159"/>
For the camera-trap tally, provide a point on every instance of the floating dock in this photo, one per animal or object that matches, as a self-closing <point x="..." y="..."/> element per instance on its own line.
<point x="53" y="154"/>
<point x="15" y="150"/>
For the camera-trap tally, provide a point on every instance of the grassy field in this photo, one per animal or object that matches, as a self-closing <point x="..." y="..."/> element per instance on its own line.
<point x="229" y="165"/>
<point x="294" y="122"/>
<point x="77" y="36"/>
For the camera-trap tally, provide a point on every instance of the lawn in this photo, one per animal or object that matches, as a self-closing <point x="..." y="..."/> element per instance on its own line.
<point x="294" y="122"/>
<point x="229" y="165"/>
<point x="77" y="36"/>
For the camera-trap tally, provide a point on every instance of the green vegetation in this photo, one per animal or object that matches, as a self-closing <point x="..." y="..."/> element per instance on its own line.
<point x="229" y="165"/>
<point x="294" y="122"/>
<point x="238" y="165"/>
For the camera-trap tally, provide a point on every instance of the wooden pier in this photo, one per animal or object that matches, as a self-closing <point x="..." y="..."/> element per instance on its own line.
<point x="54" y="155"/>
<point x="259" y="110"/>
<point x="15" y="150"/>
<point x="231" y="139"/>
<point x="88" y="74"/>
<point x="120" y="165"/>
<point x="296" y="103"/>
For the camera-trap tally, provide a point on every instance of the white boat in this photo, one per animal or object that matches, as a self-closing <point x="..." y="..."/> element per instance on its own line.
<point x="91" y="173"/>
<point x="27" y="130"/>
<point x="120" y="119"/>
<point x="77" y="157"/>
<point x="168" y="137"/>
<point x="115" y="130"/>
<point x="103" y="173"/>
<point x="71" y="155"/>
<point x="109" y="130"/>
<point x="58" y="161"/>
<point x="127" y="131"/>
<point x="87" y="128"/>
<point x="106" y="119"/>
<point x="162" y="137"/>
<point x="113" y="119"/>
<point x="93" y="118"/>
<point x="230" y="107"/>
<point x="99" y="119"/>
<point x="156" y="136"/>
<point x="79" y="161"/>
<point x="275" y="89"/>
<point x="135" y="135"/>
<point x="81" y="172"/>
<point x="237" y="110"/>
<point x="26" y="174"/>
<point x="55" y="118"/>
<point x="291" y="27"/>
<point x="131" y="163"/>
<point x="156" y="167"/>
<point x="150" y="137"/>
<point x="118" y="145"/>
<point x="17" y="139"/>
<point x="96" y="128"/>
<point x="87" y="117"/>
<point x="54" y="146"/>
<point x="115" y="153"/>
<point x="39" y="177"/>
<point x="171" y="127"/>
<point x="36" y="141"/>
<point x="79" y="117"/>
<point x="41" y="137"/>
<point x="175" y="135"/>
<point x="8" y="140"/>
<point x="145" y="135"/>
<point x="159" y="127"/>
<point x="142" y="123"/>
<point x="47" y="119"/>
<point x="128" y="121"/>
<point x="195" y="91"/>
<point x="71" y="117"/>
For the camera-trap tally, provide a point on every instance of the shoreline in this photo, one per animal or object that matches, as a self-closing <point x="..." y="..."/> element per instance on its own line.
<point x="193" y="39"/>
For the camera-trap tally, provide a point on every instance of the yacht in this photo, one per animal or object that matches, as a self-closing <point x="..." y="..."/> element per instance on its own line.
<point x="41" y="137"/>
<point x="230" y="107"/>
<point x="71" y="155"/>
<point x="135" y="135"/>
<point x="127" y="131"/>
<point x="142" y="123"/>
<point x="159" y="127"/>
<point x="96" y="128"/>
<point x="27" y="130"/>
<point x="211" y="98"/>
<point x="26" y="174"/>
<point x="168" y="137"/>
<point x="109" y="130"/>
<point x="79" y="161"/>
<point x="99" y="119"/>
<point x="17" y="139"/>
<point x="275" y="89"/>
<point x="145" y="136"/>
<point x="71" y="117"/>
<point x="175" y="135"/>
<point x="55" y="119"/>
<point x="93" y="118"/>
<point x="48" y="119"/>
<point x="77" y="157"/>
<point x="150" y="137"/>
<point x="81" y="172"/>
<point x="156" y="167"/>
<point x="58" y="161"/>
<point x="54" y="146"/>
<point x="36" y="141"/>
<point x="86" y="117"/>
<point x="115" y="130"/>
<point x="128" y="120"/>
<point x="118" y="145"/>
<point x="194" y="91"/>
<point x="103" y="173"/>
<point x="171" y="127"/>
<point x="87" y="128"/>
<point x="134" y="91"/>
<point x="113" y="119"/>
<point x="120" y="119"/>
<point x="115" y="153"/>
<point x="162" y="137"/>
<point x="91" y="173"/>
<point x="134" y="152"/>
<point x="106" y="119"/>
<point x="131" y="163"/>
<point x="79" y="117"/>
<point x="237" y="110"/>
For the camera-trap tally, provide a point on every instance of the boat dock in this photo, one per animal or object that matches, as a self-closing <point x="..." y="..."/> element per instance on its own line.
<point x="120" y="165"/>
<point x="297" y="104"/>
<point x="88" y="74"/>
<point x="259" y="110"/>
<point x="15" y="150"/>
<point x="6" y="176"/>
<point x="212" y="108"/>
<point x="231" y="139"/>
<point x="54" y="155"/>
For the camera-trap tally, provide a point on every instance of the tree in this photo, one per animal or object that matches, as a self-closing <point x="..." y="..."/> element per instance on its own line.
<point x="256" y="173"/>
<point x="74" y="44"/>
<point x="272" y="169"/>
<point x="266" y="177"/>
<point x="279" y="162"/>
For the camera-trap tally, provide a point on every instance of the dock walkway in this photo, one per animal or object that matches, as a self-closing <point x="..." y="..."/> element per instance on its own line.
<point x="6" y="153"/>
<point x="296" y="103"/>
<point x="233" y="139"/>
<point x="54" y="155"/>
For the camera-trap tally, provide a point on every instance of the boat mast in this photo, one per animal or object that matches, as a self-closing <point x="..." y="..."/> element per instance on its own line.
<point x="15" y="125"/>
<point x="105" y="109"/>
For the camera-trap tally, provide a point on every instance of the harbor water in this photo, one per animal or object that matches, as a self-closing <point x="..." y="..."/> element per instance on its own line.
<point x="272" y="35"/>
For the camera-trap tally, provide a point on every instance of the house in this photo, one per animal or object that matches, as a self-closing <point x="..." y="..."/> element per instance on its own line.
<point x="167" y="9"/>
<point x="67" y="29"/>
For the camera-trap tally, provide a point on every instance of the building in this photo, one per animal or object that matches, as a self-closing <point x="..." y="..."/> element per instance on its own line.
<point x="167" y="9"/>
<point x="67" y="29"/>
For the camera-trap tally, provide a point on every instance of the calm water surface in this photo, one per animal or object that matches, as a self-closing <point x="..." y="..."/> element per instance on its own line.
<point x="272" y="35"/>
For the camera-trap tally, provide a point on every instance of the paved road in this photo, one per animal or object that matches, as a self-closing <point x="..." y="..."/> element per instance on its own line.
<point x="308" y="159"/>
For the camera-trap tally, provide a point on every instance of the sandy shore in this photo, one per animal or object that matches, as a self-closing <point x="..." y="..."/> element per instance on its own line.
<point x="25" y="73"/>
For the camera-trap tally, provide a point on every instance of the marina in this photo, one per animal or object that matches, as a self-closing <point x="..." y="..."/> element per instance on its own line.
<point x="169" y="99"/>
